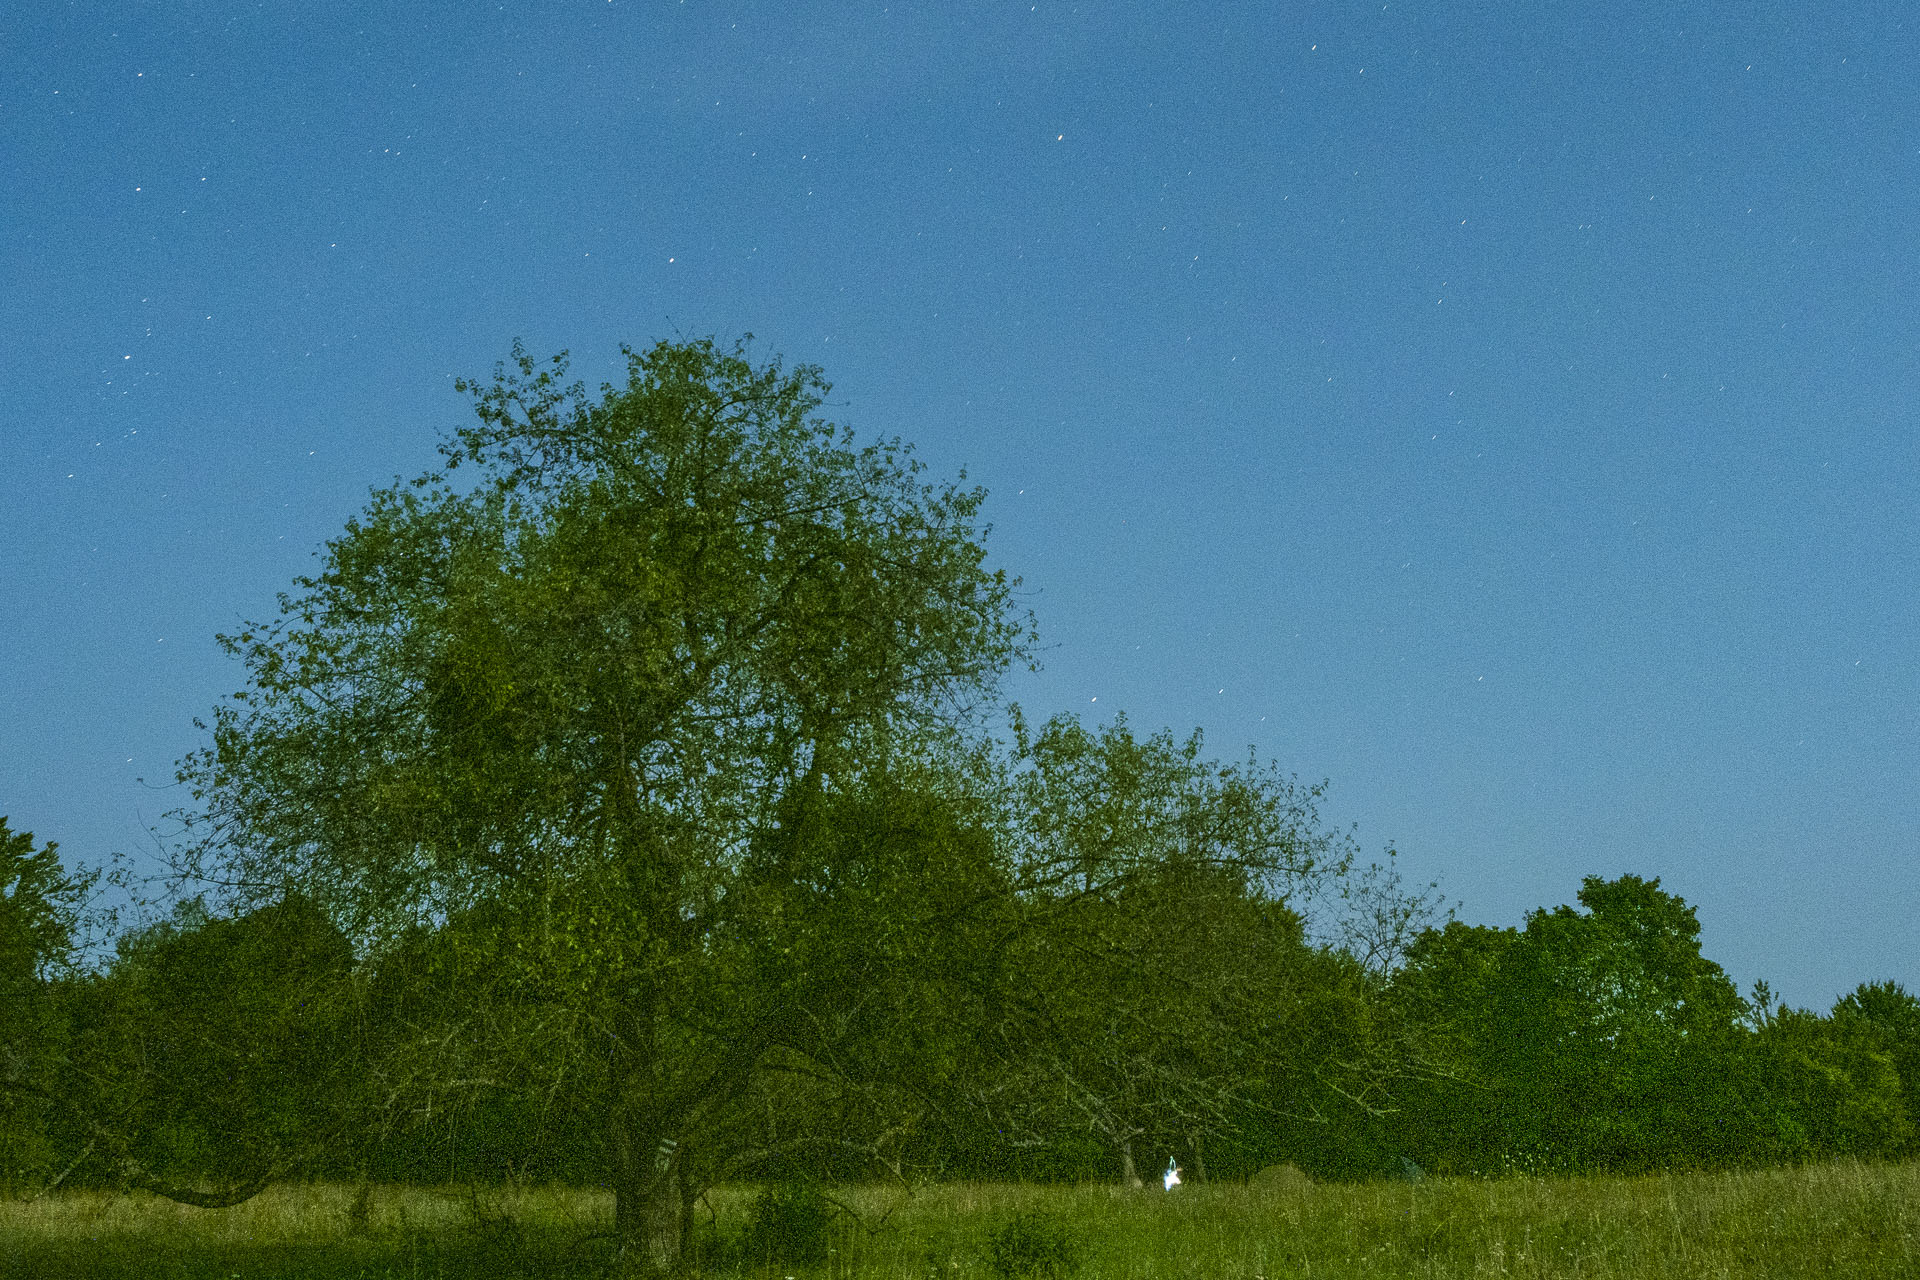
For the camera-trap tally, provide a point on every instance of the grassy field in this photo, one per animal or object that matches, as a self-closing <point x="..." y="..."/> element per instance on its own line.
<point x="1856" y="1221"/>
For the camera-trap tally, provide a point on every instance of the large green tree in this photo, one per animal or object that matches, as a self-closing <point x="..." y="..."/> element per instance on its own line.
<point x="576" y="707"/>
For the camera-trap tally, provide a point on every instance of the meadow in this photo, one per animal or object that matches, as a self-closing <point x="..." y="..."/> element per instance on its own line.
<point x="1853" y="1220"/>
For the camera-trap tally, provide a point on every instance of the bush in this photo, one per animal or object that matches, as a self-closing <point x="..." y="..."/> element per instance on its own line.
<point x="1032" y="1247"/>
<point x="789" y="1223"/>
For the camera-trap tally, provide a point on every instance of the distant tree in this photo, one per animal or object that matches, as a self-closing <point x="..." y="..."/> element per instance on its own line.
<point x="1820" y="1088"/>
<point x="875" y="921"/>
<point x="213" y="1055"/>
<point x="1453" y="1106"/>
<point x="1894" y="1015"/>
<point x="42" y="906"/>
<point x="1160" y="949"/>
<point x="1619" y="1032"/>
<point x="576" y="707"/>
<point x="1333" y="1058"/>
<point x="1592" y="1039"/>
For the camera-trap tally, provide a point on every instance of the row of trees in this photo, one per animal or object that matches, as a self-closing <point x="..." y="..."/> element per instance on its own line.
<point x="1603" y="1039"/>
<point x="619" y="802"/>
<point x="936" y="1023"/>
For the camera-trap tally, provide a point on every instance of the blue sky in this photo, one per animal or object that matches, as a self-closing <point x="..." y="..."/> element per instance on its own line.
<point x="1504" y="412"/>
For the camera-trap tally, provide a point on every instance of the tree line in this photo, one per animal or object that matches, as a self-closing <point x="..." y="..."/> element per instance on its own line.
<point x="628" y="801"/>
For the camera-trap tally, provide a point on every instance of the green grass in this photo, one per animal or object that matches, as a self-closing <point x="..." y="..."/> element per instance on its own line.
<point x="1855" y="1221"/>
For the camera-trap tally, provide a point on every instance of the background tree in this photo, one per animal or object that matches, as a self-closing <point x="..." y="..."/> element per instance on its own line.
<point x="1821" y="1088"/>
<point x="1160" y="945"/>
<point x="1894" y="1015"/>
<point x="41" y="910"/>
<point x="1452" y="1116"/>
<point x="1617" y="1032"/>
<point x="579" y="693"/>
<point x="213" y="1055"/>
<point x="1592" y="1039"/>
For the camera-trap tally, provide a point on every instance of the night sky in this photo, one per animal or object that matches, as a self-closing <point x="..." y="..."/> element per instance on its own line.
<point x="1504" y="412"/>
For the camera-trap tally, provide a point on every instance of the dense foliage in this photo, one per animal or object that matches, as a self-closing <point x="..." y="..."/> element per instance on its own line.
<point x="217" y="1051"/>
<point x="41" y="906"/>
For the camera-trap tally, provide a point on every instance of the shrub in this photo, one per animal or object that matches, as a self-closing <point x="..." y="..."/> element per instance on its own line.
<point x="789" y="1223"/>
<point x="1032" y="1247"/>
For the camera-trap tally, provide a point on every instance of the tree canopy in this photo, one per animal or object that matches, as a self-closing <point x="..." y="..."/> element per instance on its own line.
<point x="590" y="695"/>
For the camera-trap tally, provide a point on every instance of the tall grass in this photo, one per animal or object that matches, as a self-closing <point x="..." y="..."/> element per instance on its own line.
<point x="1842" y="1220"/>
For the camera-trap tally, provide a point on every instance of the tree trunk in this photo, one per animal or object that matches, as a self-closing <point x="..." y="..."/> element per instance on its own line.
<point x="689" y="1193"/>
<point x="1129" y="1176"/>
<point x="648" y="1208"/>
<point x="647" y="1205"/>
